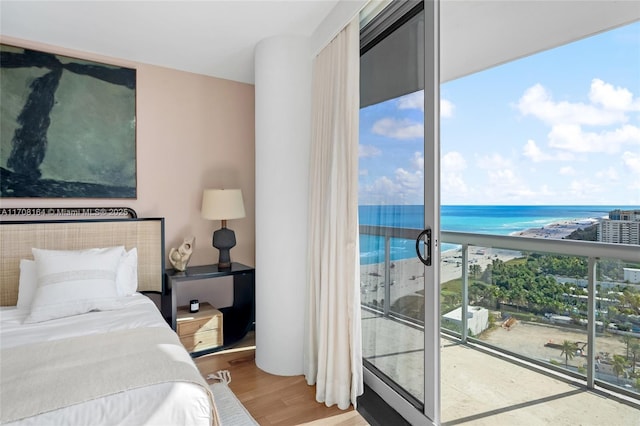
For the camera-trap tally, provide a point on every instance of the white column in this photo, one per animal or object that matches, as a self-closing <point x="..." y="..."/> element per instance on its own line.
<point x="283" y="136"/>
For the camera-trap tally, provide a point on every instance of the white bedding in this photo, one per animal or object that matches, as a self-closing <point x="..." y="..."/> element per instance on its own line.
<point x="165" y="404"/>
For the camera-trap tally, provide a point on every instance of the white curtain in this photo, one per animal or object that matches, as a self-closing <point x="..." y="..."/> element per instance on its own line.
<point x="333" y="340"/>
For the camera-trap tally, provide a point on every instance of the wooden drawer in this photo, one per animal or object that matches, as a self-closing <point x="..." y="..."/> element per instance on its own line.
<point x="202" y="340"/>
<point x="187" y="326"/>
<point x="199" y="330"/>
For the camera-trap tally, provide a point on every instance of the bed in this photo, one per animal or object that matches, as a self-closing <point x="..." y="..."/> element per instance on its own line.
<point x="79" y="342"/>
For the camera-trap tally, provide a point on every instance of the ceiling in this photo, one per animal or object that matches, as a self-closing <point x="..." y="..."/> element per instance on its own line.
<point x="215" y="38"/>
<point x="218" y="38"/>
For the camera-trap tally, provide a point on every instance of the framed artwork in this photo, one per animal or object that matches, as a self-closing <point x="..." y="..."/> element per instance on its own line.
<point x="68" y="127"/>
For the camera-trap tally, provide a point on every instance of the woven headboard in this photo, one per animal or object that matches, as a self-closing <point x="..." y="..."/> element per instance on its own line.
<point x="18" y="238"/>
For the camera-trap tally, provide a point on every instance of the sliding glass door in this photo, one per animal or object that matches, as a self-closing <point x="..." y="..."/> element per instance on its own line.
<point x="399" y="208"/>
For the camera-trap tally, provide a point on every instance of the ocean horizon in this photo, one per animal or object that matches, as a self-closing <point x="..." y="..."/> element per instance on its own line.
<point x="488" y="219"/>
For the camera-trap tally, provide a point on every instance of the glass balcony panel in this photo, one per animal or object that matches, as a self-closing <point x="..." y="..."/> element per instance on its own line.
<point x="396" y="349"/>
<point x="617" y="354"/>
<point x="406" y="275"/>
<point x="392" y="296"/>
<point x="483" y="306"/>
<point x="535" y="309"/>
<point x="536" y="303"/>
<point x="372" y="271"/>
<point x="451" y="288"/>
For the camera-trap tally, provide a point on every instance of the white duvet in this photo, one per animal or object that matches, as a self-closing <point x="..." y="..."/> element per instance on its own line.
<point x="165" y="404"/>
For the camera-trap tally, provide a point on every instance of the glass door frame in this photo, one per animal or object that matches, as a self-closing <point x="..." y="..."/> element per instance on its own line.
<point x="432" y="400"/>
<point x="429" y="413"/>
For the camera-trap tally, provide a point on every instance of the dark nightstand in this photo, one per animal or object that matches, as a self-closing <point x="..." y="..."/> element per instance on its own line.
<point x="239" y="318"/>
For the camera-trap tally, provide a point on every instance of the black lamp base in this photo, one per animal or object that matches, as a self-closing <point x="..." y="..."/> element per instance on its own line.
<point x="224" y="239"/>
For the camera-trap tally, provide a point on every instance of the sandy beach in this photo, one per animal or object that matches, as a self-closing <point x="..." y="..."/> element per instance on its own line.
<point x="557" y="230"/>
<point x="407" y="276"/>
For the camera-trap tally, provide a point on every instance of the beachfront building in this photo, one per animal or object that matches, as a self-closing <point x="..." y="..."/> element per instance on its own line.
<point x="631" y="275"/>
<point x="622" y="227"/>
<point x="477" y="319"/>
<point x="632" y="215"/>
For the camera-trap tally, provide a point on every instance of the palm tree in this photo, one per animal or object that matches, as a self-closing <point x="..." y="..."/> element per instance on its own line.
<point x="618" y="365"/>
<point x="475" y="271"/>
<point x="634" y="300"/>
<point x="497" y="294"/>
<point x="568" y="350"/>
<point x="627" y="339"/>
<point x="475" y="294"/>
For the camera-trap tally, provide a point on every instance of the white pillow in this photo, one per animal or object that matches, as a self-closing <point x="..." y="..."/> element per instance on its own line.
<point x="27" y="284"/>
<point x="74" y="282"/>
<point x="126" y="278"/>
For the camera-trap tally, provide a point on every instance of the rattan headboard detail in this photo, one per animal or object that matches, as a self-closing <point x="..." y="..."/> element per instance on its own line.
<point x="18" y="238"/>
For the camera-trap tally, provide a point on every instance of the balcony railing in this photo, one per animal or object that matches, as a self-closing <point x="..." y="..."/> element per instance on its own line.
<point x="591" y="251"/>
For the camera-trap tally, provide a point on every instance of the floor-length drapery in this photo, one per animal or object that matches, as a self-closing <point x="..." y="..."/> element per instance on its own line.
<point x="333" y="340"/>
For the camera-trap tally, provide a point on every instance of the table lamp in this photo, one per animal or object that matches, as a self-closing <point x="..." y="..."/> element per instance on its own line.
<point x="223" y="204"/>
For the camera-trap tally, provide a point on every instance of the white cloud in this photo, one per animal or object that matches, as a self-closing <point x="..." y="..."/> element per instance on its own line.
<point x="519" y="193"/>
<point x="385" y="185"/>
<point x="446" y="108"/>
<point x="368" y="151"/>
<point x="453" y="185"/>
<point x="416" y="101"/>
<point x="506" y="186"/>
<point x="403" y="189"/>
<point x="502" y="177"/>
<point x="382" y="191"/>
<point x="545" y="191"/>
<point x="612" y="98"/>
<point x="398" y="128"/>
<point x="632" y="161"/>
<point x="538" y="102"/>
<point x="493" y="161"/>
<point x="567" y="171"/>
<point x="412" y="183"/>
<point x="608" y="106"/>
<point x="534" y="153"/>
<point x="451" y="177"/>
<point x="409" y="181"/>
<point x="573" y="138"/>
<point x="635" y="187"/>
<point x="503" y="182"/>
<point x="610" y="174"/>
<point x="413" y="100"/>
<point x="453" y="162"/>
<point x="418" y="161"/>
<point x="406" y="186"/>
<point x="583" y="189"/>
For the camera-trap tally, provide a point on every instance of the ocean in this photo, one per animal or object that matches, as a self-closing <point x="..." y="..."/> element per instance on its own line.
<point x="497" y="220"/>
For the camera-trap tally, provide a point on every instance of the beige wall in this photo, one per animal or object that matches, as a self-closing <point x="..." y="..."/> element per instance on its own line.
<point x="193" y="132"/>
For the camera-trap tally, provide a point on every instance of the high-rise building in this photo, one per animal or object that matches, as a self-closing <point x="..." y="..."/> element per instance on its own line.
<point x="632" y="215"/>
<point x="622" y="227"/>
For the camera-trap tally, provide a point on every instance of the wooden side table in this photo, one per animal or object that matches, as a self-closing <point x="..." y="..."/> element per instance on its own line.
<point x="239" y="318"/>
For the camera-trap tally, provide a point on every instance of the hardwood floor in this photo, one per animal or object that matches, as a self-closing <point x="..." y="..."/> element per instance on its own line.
<point x="274" y="400"/>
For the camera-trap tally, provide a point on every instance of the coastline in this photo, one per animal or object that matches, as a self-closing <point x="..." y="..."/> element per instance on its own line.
<point x="407" y="275"/>
<point x="556" y="230"/>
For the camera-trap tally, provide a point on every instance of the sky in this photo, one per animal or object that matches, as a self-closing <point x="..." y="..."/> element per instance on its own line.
<point x="560" y="127"/>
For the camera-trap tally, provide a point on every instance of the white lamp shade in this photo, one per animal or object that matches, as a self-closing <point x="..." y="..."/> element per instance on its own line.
<point x="222" y="204"/>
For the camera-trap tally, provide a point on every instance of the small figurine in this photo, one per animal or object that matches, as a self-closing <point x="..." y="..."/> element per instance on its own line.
<point x="179" y="257"/>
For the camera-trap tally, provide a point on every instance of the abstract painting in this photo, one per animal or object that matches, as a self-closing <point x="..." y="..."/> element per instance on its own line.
<point x="68" y="127"/>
